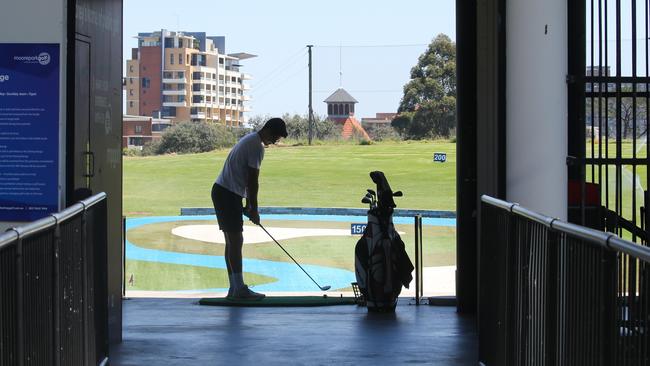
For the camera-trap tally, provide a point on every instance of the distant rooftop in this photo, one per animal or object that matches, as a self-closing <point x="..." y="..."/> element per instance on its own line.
<point x="340" y="96"/>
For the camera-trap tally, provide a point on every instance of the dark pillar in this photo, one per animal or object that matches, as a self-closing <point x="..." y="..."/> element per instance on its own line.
<point x="466" y="225"/>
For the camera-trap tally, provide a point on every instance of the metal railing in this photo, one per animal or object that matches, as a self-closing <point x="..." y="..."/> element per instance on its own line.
<point x="53" y="289"/>
<point x="554" y="293"/>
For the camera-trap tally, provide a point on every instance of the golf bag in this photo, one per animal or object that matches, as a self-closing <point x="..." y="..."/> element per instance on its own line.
<point x="381" y="264"/>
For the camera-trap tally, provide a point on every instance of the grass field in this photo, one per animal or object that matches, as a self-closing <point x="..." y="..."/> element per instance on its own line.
<point x="333" y="251"/>
<point x="303" y="176"/>
<point x="630" y="186"/>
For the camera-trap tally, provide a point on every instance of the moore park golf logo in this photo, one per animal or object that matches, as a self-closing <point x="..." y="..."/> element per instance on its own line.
<point x="42" y="58"/>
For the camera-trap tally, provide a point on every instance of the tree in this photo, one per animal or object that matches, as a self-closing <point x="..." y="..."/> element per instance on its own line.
<point x="633" y="114"/>
<point x="428" y="106"/>
<point x="195" y="137"/>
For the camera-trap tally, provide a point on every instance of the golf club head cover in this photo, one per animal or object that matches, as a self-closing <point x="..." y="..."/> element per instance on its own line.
<point x="384" y="192"/>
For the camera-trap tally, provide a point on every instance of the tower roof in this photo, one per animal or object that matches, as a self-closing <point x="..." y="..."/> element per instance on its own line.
<point x="340" y="96"/>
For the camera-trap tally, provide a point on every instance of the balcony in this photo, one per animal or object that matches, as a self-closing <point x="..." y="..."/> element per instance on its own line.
<point x="174" y="104"/>
<point x="174" y="92"/>
<point x="174" y="81"/>
<point x="246" y="98"/>
<point x="245" y="86"/>
<point x="199" y="115"/>
<point x="202" y="92"/>
<point x="246" y="76"/>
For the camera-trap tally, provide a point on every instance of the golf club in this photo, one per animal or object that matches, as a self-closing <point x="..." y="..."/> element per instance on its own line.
<point x="323" y="288"/>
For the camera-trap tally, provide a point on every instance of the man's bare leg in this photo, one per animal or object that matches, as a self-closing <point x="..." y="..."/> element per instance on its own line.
<point x="233" y="255"/>
<point x="234" y="242"/>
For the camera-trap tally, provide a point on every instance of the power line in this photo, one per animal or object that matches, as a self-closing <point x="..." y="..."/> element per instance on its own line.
<point x="279" y="84"/>
<point x="283" y="65"/>
<point x="374" y="46"/>
<point x="365" y="91"/>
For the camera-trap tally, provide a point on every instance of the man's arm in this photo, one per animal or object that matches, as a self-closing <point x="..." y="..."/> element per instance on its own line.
<point x="252" y="187"/>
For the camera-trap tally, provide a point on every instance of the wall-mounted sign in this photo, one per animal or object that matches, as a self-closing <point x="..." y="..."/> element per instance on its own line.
<point x="357" y="229"/>
<point x="439" y="157"/>
<point x="29" y="130"/>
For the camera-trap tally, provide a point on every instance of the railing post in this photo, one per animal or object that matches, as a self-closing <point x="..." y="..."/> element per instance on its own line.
<point x="417" y="262"/>
<point x="552" y="287"/>
<point x="20" y="303"/>
<point x="84" y="282"/>
<point x="56" y="299"/>
<point x="609" y="306"/>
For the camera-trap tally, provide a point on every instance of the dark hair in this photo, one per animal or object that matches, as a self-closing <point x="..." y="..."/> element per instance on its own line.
<point x="277" y="127"/>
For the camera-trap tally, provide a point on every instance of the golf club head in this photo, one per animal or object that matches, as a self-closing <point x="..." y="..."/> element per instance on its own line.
<point x="370" y="191"/>
<point x="398" y="194"/>
<point x="325" y="288"/>
<point x="366" y="200"/>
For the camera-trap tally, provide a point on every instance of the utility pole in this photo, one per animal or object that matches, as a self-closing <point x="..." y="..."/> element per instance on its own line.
<point x="311" y="111"/>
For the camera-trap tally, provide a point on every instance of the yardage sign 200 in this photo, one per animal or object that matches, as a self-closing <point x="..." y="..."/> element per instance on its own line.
<point x="440" y="157"/>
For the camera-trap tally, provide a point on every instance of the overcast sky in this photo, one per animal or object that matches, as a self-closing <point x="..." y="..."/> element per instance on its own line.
<point x="373" y="43"/>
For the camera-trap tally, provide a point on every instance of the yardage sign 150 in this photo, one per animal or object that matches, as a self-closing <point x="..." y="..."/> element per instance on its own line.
<point x="439" y="157"/>
<point x="357" y="229"/>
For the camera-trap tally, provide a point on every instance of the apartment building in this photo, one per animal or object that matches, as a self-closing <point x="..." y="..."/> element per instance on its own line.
<point x="186" y="76"/>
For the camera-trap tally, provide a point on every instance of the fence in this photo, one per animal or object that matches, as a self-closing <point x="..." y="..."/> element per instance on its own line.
<point x="53" y="289"/>
<point x="554" y="293"/>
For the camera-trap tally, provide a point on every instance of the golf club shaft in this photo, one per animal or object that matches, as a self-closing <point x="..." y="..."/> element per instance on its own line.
<point x="296" y="262"/>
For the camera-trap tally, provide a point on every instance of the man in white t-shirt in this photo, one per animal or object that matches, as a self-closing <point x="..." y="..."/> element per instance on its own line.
<point x="238" y="180"/>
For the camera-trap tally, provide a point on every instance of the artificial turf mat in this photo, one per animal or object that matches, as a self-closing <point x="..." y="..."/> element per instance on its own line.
<point x="280" y="301"/>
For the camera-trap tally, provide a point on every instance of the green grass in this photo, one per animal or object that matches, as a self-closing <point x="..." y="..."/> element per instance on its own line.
<point x="304" y="176"/>
<point x="335" y="251"/>
<point x="171" y="277"/>
<point x="629" y="186"/>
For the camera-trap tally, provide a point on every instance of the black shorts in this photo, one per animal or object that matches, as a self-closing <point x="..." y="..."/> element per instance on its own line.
<point x="228" y="208"/>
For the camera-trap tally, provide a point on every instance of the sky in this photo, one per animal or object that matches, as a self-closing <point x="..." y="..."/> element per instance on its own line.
<point x="367" y="47"/>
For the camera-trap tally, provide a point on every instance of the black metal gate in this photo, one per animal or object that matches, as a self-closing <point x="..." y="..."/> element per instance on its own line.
<point x="608" y="114"/>
<point x="608" y="84"/>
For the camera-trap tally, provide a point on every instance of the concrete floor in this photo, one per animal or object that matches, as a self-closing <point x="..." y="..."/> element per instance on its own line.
<point x="181" y="332"/>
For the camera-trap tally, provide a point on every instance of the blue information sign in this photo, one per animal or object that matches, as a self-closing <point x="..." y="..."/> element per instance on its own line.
<point x="29" y="130"/>
<point x="357" y="229"/>
<point x="440" y="157"/>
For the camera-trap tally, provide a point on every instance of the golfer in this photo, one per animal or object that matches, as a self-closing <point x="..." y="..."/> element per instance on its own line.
<point x="238" y="180"/>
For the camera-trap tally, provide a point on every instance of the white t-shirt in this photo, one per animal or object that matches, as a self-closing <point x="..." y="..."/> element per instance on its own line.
<point x="248" y="152"/>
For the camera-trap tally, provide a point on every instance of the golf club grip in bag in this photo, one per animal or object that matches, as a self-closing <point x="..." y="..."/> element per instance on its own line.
<point x="382" y="266"/>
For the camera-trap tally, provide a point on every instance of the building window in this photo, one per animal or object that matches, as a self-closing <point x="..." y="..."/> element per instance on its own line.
<point x="146" y="82"/>
<point x="138" y="129"/>
<point x="180" y="44"/>
<point x="347" y="109"/>
<point x="181" y="75"/>
<point x="130" y="68"/>
<point x="130" y="104"/>
<point x="329" y="109"/>
<point x="187" y="58"/>
<point x="169" y="42"/>
<point x="180" y="58"/>
<point x="171" y="58"/>
<point x="336" y="109"/>
<point x="130" y="80"/>
<point x="131" y="92"/>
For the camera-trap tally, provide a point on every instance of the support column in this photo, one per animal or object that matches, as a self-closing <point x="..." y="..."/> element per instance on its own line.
<point x="536" y="105"/>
